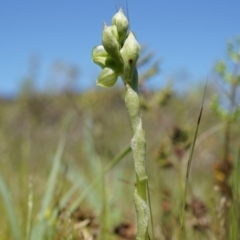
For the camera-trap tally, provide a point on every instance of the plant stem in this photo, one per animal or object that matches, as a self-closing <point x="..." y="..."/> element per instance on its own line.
<point x="138" y="146"/>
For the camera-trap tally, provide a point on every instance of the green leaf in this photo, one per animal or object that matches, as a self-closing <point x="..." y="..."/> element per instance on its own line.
<point x="229" y="78"/>
<point x="10" y="209"/>
<point x="220" y="68"/>
<point x="107" y="78"/>
<point x="233" y="50"/>
<point x="238" y="80"/>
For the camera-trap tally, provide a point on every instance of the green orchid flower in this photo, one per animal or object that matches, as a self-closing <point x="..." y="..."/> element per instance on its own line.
<point x="118" y="54"/>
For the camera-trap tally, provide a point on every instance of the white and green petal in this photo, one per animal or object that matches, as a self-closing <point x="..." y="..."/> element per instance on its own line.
<point x="111" y="44"/>
<point x="130" y="54"/>
<point x="99" y="55"/>
<point x="102" y="58"/>
<point x="107" y="78"/>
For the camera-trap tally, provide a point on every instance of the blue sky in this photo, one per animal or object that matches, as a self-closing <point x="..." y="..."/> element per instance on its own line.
<point x="188" y="36"/>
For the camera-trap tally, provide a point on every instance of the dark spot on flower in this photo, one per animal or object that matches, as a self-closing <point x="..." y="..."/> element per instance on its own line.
<point x="130" y="61"/>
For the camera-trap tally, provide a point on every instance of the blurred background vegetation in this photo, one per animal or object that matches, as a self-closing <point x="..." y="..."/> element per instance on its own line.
<point x="56" y="143"/>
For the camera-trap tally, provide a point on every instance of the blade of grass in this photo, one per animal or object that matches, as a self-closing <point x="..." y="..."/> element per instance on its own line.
<point x="55" y="168"/>
<point x="72" y="175"/>
<point x="104" y="210"/>
<point x="39" y="230"/>
<point x="107" y="168"/>
<point x="235" y="210"/>
<point x="30" y="207"/>
<point x="187" y="178"/>
<point x="66" y="198"/>
<point x="12" y="216"/>
<point x="150" y="208"/>
<point x="94" y="162"/>
<point x="189" y="167"/>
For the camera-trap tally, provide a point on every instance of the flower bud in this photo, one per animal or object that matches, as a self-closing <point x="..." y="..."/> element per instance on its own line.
<point x="107" y="78"/>
<point x="111" y="44"/>
<point x="121" y="22"/>
<point x="114" y="30"/>
<point x="130" y="54"/>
